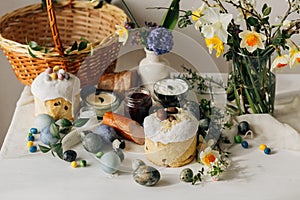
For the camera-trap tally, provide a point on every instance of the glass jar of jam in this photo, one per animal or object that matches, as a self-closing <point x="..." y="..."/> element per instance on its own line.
<point x="137" y="103"/>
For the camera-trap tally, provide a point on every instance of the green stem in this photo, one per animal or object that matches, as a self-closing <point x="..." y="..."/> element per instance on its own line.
<point x="130" y="14"/>
<point x="237" y="98"/>
<point x="261" y="104"/>
<point x="248" y="96"/>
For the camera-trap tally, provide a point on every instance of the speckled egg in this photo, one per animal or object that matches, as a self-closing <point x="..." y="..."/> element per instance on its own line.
<point x="146" y="175"/>
<point x="186" y="175"/>
<point x="137" y="163"/>
<point x="92" y="142"/>
<point x="43" y="120"/>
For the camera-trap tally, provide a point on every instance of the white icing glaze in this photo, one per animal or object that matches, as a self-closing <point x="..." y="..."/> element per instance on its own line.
<point x="44" y="88"/>
<point x="171" y="86"/>
<point x="177" y="132"/>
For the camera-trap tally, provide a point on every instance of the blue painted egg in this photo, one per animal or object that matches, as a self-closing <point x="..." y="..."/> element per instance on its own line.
<point x="46" y="137"/>
<point x="108" y="133"/>
<point x="267" y="151"/>
<point x="43" y="120"/>
<point x="245" y="144"/>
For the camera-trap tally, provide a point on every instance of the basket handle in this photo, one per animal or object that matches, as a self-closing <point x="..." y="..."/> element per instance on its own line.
<point x="53" y="26"/>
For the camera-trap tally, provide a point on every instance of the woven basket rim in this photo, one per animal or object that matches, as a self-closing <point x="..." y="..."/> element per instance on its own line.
<point x="19" y="47"/>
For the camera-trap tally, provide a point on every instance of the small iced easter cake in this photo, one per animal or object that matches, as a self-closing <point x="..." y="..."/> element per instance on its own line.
<point x="170" y="137"/>
<point x="56" y="93"/>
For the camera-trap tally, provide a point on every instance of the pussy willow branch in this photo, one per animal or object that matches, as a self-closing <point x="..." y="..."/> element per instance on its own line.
<point x="253" y="12"/>
<point x="287" y="13"/>
<point x="222" y="7"/>
<point x="164" y="8"/>
<point x="207" y="3"/>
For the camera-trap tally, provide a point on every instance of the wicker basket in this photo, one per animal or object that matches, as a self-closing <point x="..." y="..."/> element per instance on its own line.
<point x="72" y="21"/>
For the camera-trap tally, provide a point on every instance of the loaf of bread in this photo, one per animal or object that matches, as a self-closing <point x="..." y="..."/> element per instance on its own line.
<point x="118" y="81"/>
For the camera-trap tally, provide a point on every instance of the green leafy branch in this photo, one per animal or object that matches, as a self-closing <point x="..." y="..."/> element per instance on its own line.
<point x="34" y="46"/>
<point x="59" y="130"/>
<point x="197" y="81"/>
<point x="198" y="176"/>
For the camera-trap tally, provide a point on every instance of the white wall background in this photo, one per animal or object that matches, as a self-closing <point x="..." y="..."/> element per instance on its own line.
<point x="10" y="88"/>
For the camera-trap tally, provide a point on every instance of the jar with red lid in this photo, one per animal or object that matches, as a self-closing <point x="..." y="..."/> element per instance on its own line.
<point x="137" y="103"/>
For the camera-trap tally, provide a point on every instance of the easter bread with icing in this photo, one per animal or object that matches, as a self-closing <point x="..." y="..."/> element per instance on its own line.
<point x="171" y="141"/>
<point x="56" y="93"/>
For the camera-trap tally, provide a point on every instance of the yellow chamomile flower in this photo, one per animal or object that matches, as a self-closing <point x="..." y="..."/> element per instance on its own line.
<point x="209" y="156"/>
<point x="215" y="43"/>
<point x="280" y="62"/>
<point x="251" y="40"/>
<point x="123" y="34"/>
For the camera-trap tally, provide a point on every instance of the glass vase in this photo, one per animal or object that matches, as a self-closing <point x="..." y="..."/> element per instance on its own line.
<point x="251" y="85"/>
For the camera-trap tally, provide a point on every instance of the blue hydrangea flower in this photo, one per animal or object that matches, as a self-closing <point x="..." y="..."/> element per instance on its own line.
<point x="160" y="40"/>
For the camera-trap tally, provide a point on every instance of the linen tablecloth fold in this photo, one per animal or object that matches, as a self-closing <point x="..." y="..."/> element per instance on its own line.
<point x="270" y="131"/>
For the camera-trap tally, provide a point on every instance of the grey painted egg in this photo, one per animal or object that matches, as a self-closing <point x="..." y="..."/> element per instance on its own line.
<point x="92" y="142"/>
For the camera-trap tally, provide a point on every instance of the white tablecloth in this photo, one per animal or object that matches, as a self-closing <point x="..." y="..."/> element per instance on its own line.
<point x="252" y="175"/>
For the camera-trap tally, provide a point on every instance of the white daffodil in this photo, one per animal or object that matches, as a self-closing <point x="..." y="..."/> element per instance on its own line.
<point x="215" y="23"/>
<point x="251" y="40"/>
<point x="280" y="62"/>
<point x="197" y="13"/>
<point x="294" y="59"/>
<point x="123" y="34"/>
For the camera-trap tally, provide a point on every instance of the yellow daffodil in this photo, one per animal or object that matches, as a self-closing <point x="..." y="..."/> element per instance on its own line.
<point x="215" y="43"/>
<point x="209" y="156"/>
<point x="123" y="34"/>
<point x="251" y="40"/>
<point x="197" y="13"/>
<point x="280" y="62"/>
<point x="215" y="23"/>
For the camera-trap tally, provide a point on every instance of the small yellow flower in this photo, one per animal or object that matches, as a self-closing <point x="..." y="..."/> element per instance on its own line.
<point x="209" y="156"/>
<point x="280" y="62"/>
<point x="251" y="40"/>
<point x="215" y="43"/>
<point x="123" y="34"/>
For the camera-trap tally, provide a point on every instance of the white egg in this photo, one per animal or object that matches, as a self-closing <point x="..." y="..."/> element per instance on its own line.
<point x="110" y="162"/>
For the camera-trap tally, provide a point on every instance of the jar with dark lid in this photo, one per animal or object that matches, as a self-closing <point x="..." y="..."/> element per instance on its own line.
<point x="137" y="103"/>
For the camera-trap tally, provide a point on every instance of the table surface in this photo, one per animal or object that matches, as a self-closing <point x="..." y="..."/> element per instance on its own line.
<point x="252" y="174"/>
